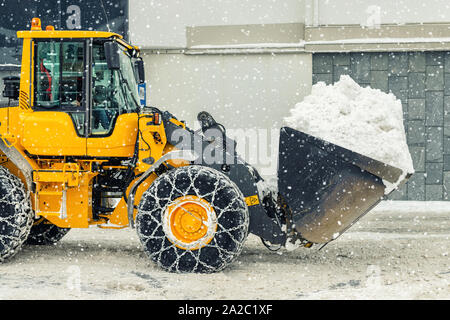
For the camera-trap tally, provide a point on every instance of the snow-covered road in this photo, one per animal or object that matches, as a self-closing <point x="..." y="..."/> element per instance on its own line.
<point x="398" y="251"/>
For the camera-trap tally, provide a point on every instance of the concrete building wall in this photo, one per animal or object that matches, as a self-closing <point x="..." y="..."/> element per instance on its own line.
<point x="251" y="92"/>
<point x="242" y="90"/>
<point x="369" y="13"/>
<point x="162" y="23"/>
<point x="239" y="60"/>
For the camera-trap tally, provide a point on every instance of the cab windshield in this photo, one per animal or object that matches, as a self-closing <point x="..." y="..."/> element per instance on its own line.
<point x="128" y="81"/>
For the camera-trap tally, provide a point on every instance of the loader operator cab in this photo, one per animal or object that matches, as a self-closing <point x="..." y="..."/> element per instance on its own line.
<point x="76" y="76"/>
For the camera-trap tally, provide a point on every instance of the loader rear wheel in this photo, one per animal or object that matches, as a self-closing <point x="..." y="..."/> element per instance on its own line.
<point x="192" y="219"/>
<point x="45" y="233"/>
<point x="16" y="215"/>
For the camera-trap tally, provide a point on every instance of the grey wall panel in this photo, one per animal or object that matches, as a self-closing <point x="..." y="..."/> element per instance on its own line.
<point x="247" y="93"/>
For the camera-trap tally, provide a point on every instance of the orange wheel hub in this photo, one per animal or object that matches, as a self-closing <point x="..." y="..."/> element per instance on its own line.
<point x="190" y="222"/>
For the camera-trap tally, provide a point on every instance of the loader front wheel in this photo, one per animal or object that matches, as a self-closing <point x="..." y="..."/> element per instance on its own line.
<point x="16" y="214"/>
<point x="192" y="219"/>
<point x="45" y="233"/>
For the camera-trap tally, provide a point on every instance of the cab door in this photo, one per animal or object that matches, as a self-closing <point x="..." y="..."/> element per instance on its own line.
<point x="57" y="125"/>
<point x="113" y="115"/>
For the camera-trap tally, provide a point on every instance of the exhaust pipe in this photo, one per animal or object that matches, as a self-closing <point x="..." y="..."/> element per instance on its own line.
<point x="326" y="187"/>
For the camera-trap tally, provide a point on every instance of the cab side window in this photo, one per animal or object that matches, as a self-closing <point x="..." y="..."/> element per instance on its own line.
<point x="59" y="79"/>
<point x="72" y="67"/>
<point x="47" y="79"/>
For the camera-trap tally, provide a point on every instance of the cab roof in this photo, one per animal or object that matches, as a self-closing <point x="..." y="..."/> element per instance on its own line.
<point x="50" y="33"/>
<point x="77" y="34"/>
<point x="61" y="34"/>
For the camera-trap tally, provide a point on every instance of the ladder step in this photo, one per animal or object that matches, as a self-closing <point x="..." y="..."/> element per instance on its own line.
<point x="50" y="193"/>
<point x="47" y="213"/>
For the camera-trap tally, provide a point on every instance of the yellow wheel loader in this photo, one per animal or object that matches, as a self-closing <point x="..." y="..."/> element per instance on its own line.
<point x="77" y="150"/>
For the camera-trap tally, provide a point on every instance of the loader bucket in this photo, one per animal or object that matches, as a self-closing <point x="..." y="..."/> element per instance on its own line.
<point x="327" y="187"/>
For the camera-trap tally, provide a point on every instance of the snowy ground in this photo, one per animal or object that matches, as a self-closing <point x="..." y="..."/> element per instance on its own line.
<point x="398" y="251"/>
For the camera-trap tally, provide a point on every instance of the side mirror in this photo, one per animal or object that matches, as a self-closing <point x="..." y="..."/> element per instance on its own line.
<point x="112" y="55"/>
<point x="140" y="72"/>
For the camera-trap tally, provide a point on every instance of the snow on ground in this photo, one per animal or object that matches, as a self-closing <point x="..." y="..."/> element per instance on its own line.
<point x="398" y="251"/>
<point x="364" y="120"/>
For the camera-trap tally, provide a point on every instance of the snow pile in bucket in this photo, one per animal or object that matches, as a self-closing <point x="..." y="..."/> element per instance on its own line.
<point x="364" y="120"/>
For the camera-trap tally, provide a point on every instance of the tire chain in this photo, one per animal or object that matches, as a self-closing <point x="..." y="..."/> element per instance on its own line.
<point x="15" y="225"/>
<point x="155" y="214"/>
